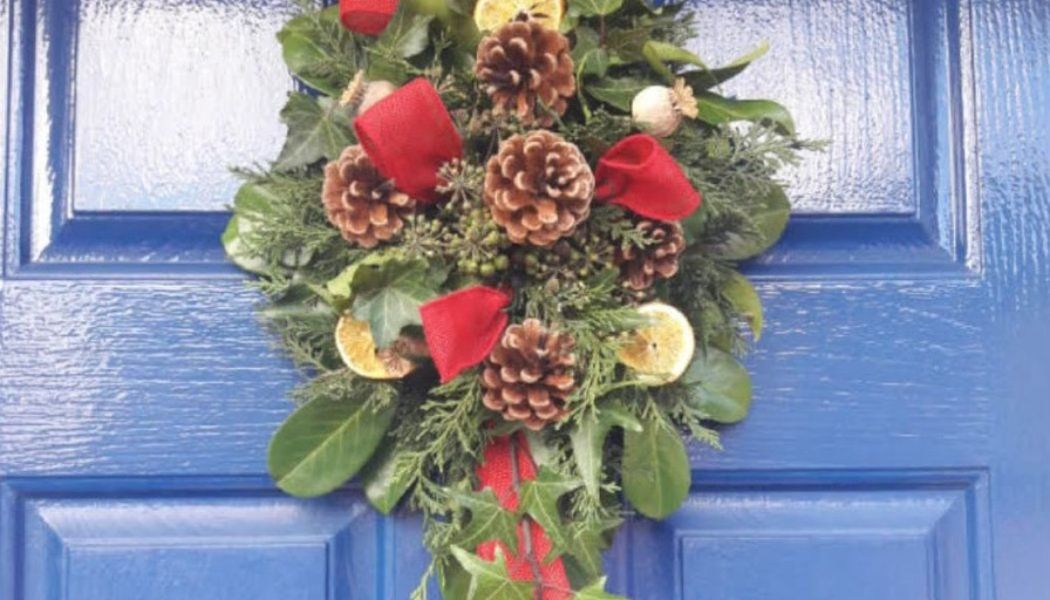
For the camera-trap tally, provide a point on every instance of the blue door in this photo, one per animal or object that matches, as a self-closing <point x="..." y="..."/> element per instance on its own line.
<point x="899" y="448"/>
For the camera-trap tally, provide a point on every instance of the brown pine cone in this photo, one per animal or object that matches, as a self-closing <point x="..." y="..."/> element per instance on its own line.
<point x="641" y="266"/>
<point x="539" y="188"/>
<point x="527" y="70"/>
<point x="529" y="375"/>
<point x="360" y="203"/>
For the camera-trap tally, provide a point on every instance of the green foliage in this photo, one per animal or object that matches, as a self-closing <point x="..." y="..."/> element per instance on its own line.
<point x="418" y="443"/>
<point x="405" y="37"/>
<point x="320" y="51"/>
<point x="318" y="128"/>
<point x="491" y="580"/>
<point x="384" y="480"/>
<point x="328" y="439"/>
<point x="717" y="386"/>
<point x="539" y="499"/>
<point x="488" y="520"/>
<point x="388" y="294"/>
<point x="656" y="474"/>
<point x="588" y="442"/>
<point x="742" y="296"/>
<point x="596" y="591"/>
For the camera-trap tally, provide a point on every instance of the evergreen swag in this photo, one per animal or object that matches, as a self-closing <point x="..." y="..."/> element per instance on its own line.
<point x="416" y="442"/>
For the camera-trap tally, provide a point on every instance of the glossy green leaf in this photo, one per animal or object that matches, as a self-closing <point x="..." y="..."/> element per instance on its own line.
<point x="318" y="128"/>
<point x="488" y="519"/>
<point x="625" y="44"/>
<point x="406" y="36"/>
<point x="742" y="295"/>
<point x="253" y="202"/>
<point x="656" y="474"/>
<point x="709" y="78"/>
<point x="588" y="441"/>
<point x="324" y="443"/>
<point x="594" y="8"/>
<point x="384" y="483"/>
<point x="770" y="215"/>
<point x="658" y="53"/>
<point x="539" y="499"/>
<point x="618" y="93"/>
<point x="718" y="110"/>
<point x="320" y="51"/>
<point x="388" y="295"/>
<point x="491" y="580"/>
<point x="718" y="385"/>
<point x="596" y="591"/>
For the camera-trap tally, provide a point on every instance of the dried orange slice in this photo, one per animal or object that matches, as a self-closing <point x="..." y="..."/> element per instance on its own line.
<point x="358" y="350"/>
<point x="492" y="14"/>
<point x="660" y="352"/>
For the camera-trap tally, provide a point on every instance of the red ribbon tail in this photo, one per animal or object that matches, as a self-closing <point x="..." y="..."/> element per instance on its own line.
<point x="409" y="135"/>
<point x="640" y="175"/>
<point x="507" y="463"/>
<point x="462" y="327"/>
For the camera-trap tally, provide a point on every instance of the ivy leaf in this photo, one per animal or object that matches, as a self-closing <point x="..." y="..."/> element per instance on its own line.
<point x="618" y="93"/>
<point x="317" y="128"/>
<point x="539" y="499"/>
<point x="626" y="45"/>
<point x="718" y="386"/>
<point x="596" y="591"/>
<point x="709" y="78"/>
<point x="742" y="295"/>
<point x="717" y="110"/>
<point x="594" y="8"/>
<point x="770" y="215"/>
<point x="588" y="440"/>
<point x="491" y="580"/>
<point x="588" y="55"/>
<point x="406" y="36"/>
<point x="388" y="295"/>
<point x="384" y="482"/>
<point x="587" y="541"/>
<point x="656" y="475"/>
<point x="320" y="51"/>
<point x="488" y="519"/>
<point x="324" y="443"/>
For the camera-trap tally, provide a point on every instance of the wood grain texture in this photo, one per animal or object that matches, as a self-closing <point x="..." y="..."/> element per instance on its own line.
<point x="1013" y="75"/>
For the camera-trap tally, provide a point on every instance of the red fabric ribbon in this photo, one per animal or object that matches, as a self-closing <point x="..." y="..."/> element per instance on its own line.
<point x="369" y="17"/>
<point x="462" y="327"/>
<point x="409" y="135"/>
<point x="497" y="471"/>
<point x="640" y="175"/>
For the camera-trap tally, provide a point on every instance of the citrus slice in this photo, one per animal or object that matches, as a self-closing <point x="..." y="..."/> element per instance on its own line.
<point x="661" y="351"/>
<point x="492" y="14"/>
<point x="358" y="350"/>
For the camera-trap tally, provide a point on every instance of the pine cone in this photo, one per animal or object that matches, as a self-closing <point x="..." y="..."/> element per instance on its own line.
<point x="529" y="375"/>
<point x="539" y="188"/>
<point x="641" y="266"/>
<point x="363" y="206"/>
<point x="527" y="70"/>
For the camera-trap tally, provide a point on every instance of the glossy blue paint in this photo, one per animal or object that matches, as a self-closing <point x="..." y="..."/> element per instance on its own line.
<point x="898" y="444"/>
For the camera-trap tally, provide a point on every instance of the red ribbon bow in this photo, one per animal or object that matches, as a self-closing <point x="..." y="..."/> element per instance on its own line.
<point x="638" y="174"/>
<point x="527" y="562"/>
<point x="462" y="327"/>
<point x="369" y="17"/>
<point x="409" y="135"/>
